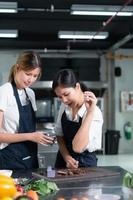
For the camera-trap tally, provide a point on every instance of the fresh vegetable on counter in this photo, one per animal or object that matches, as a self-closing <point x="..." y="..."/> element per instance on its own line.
<point x="7" y="187"/>
<point x="29" y="190"/>
<point x="19" y="188"/>
<point x="128" y="180"/>
<point x="42" y="187"/>
<point x="32" y="194"/>
<point x="23" y="197"/>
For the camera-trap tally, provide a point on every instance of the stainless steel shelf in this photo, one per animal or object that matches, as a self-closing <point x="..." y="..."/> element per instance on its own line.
<point x="89" y="84"/>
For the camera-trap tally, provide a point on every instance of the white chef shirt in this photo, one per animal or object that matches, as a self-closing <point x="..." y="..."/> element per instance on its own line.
<point x="95" y="131"/>
<point x="9" y="106"/>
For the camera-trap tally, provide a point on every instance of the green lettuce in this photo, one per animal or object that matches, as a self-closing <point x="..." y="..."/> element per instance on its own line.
<point x="42" y="187"/>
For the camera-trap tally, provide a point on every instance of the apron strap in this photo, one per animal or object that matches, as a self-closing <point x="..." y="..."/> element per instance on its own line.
<point x="17" y="97"/>
<point x="20" y="107"/>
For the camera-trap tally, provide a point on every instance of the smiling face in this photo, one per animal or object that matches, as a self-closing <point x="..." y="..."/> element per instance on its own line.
<point x="69" y="95"/>
<point x="24" y="79"/>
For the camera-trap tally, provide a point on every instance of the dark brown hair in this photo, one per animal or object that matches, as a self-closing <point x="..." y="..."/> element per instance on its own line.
<point x="65" y="78"/>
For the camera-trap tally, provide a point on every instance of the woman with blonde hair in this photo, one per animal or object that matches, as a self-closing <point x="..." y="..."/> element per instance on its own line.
<point x="18" y="138"/>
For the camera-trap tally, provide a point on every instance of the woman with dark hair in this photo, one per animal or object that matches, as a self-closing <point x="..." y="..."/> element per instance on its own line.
<point x="18" y="138"/>
<point x="79" y="123"/>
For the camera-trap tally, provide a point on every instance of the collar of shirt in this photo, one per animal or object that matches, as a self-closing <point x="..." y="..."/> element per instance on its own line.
<point x="80" y="113"/>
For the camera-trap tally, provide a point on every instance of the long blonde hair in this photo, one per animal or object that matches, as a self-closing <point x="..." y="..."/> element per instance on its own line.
<point x="28" y="60"/>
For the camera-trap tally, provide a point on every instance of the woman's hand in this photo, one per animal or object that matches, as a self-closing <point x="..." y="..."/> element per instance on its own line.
<point x="41" y="138"/>
<point x="71" y="162"/>
<point x="90" y="100"/>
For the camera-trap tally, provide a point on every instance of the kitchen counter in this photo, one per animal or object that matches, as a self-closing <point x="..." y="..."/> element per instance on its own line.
<point x="86" y="188"/>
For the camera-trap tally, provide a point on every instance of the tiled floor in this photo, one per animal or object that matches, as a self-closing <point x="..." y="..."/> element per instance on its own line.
<point x="125" y="161"/>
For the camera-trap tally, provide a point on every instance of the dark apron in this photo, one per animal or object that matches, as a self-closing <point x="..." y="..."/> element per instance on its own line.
<point x="70" y="128"/>
<point x="21" y="155"/>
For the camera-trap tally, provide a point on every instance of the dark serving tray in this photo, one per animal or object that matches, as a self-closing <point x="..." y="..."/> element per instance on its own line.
<point x="81" y="174"/>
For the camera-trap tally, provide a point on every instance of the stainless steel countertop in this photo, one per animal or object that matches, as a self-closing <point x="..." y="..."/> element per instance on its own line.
<point x="89" y="188"/>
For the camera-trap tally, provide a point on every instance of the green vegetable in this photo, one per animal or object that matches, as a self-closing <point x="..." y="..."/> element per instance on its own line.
<point x="23" y="197"/>
<point x="42" y="187"/>
<point x="128" y="180"/>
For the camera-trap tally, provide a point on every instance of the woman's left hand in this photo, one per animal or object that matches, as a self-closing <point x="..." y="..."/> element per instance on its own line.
<point x="90" y="100"/>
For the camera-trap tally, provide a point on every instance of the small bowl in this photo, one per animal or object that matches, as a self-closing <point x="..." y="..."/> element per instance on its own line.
<point x="6" y="172"/>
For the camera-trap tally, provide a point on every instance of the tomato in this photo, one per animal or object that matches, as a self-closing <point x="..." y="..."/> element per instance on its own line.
<point x="32" y="194"/>
<point x="20" y="188"/>
<point x="7" y="187"/>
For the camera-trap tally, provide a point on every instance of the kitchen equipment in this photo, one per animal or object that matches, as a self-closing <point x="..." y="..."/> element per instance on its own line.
<point x="44" y="110"/>
<point x="80" y="174"/>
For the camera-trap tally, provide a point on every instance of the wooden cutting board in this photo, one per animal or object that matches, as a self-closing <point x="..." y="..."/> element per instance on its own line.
<point x="81" y="174"/>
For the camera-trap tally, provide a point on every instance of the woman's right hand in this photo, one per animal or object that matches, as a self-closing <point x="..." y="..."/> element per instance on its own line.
<point x="90" y="100"/>
<point x="41" y="138"/>
<point x="71" y="162"/>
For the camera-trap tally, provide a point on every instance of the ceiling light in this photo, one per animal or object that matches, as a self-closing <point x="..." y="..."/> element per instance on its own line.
<point x="79" y="9"/>
<point x="8" y="7"/>
<point x="8" y="33"/>
<point x="82" y="35"/>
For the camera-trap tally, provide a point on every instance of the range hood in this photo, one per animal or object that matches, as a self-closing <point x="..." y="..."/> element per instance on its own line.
<point x="42" y="85"/>
<point x="89" y="84"/>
